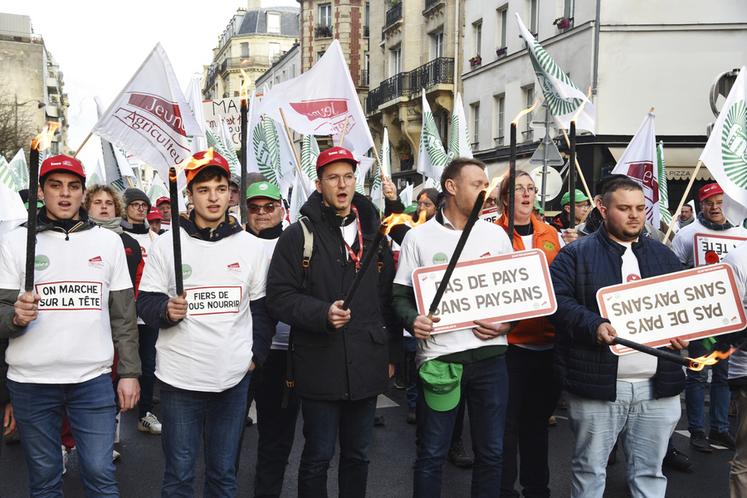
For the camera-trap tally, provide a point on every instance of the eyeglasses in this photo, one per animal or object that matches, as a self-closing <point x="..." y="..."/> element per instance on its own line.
<point x="521" y="189"/>
<point x="139" y="205"/>
<point x="257" y="209"/>
<point x="346" y="179"/>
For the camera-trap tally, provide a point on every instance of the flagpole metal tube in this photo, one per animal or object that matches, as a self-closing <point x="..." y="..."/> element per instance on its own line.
<point x="511" y="192"/>
<point x="682" y="200"/>
<point x="31" y="221"/>
<point x="578" y="167"/>
<point x="85" y="141"/>
<point x="176" y="232"/>
<point x="572" y="178"/>
<point x="471" y="220"/>
<point x="295" y="152"/>
<point x="244" y="133"/>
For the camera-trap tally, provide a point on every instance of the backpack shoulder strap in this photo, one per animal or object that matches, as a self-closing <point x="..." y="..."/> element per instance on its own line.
<point x="308" y="241"/>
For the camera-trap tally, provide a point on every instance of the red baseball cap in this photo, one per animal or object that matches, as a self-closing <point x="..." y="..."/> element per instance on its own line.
<point x="162" y="200"/>
<point x="154" y="214"/>
<point x="205" y="159"/>
<point x="62" y="163"/>
<point x="334" y="154"/>
<point x="709" y="190"/>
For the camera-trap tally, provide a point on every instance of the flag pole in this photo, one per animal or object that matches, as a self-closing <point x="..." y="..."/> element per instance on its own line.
<point x="572" y="178"/>
<point x="175" y="232"/>
<point x="242" y="160"/>
<point x="682" y="200"/>
<point x="85" y="141"/>
<point x="578" y="166"/>
<point x="295" y="152"/>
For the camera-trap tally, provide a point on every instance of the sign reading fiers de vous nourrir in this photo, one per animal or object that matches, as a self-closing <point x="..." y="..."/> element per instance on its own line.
<point x="495" y="289"/>
<point x="690" y="304"/>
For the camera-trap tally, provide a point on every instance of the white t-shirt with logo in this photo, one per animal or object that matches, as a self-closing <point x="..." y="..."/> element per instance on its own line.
<point x="211" y="349"/>
<point x="634" y="367"/>
<point x="432" y="244"/>
<point x="71" y="340"/>
<point x="682" y="244"/>
<point x="144" y="240"/>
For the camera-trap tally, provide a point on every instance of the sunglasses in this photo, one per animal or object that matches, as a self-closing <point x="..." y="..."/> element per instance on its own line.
<point x="257" y="209"/>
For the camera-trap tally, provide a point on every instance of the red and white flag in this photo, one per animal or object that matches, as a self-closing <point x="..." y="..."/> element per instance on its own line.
<point x="321" y="101"/>
<point x="640" y="164"/>
<point x="150" y="118"/>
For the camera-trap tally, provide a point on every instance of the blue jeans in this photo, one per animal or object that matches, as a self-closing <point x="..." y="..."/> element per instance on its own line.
<point x="695" y="387"/>
<point x="323" y="421"/>
<point x="644" y="425"/>
<point x="91" y="409"/>
<point x="485" y="386"/>
<point x="147" y="348"/>
<point x="192" y="418"/>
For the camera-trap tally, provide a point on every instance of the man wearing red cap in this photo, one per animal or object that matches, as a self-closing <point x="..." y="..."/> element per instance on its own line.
<point x="63" y="334"/>
<point x="154" y="221"/>
<point x="205" y="348"/>
<point x="341" y="358"/>
<point x="710" y="221"/>
<point x="163" y="204"/>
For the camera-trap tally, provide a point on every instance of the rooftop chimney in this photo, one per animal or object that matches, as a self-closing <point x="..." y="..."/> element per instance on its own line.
<point x="254" y="4"/>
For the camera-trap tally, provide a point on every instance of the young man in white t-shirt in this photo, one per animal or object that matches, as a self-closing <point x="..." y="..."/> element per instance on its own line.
<point x="63" y="334"/>
<point x="474" y="356"/>
<point x="204" y="352"/>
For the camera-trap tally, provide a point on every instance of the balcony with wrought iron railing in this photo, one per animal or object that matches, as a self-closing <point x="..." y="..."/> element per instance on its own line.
<point x="429" y="4"/>
<point x="409" y="84"/>
<point x="393" y="15"/>
<point x="323" y="31"/>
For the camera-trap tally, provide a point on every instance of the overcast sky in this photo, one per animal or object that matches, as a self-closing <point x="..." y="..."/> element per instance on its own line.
<point x="100" y="44"/>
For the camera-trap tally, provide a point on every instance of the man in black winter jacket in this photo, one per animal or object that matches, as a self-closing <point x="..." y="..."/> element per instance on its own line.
<point x="342" y="358"/>
<point x="636" y="396"/>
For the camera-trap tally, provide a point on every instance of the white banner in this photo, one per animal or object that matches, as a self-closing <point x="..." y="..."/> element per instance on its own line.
<point x="230" y="111"/>
<point x="496" y="289"/>
<point x="690" y="304"/>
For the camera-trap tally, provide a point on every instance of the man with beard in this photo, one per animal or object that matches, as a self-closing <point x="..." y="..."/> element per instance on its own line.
<point x="636" y="396"/>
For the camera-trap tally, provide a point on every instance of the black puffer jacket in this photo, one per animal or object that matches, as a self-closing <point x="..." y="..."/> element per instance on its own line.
<point x="347" y="363"/>
<point x="587" y="368"/>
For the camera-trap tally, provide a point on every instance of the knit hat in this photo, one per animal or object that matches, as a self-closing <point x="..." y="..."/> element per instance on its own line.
<point x="432" y="194"/>
<point x="135" y="194"/>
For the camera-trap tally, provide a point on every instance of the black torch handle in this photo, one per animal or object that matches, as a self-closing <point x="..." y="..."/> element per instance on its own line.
<point x="572" y="176"/>
<point x="660" y="353"/>
<point x="244" y="117"/>
<point x="31" y="221"/>
<point x="457" y="252"/>
<point x="364" y="267"/>
<point x="176" y="232"/>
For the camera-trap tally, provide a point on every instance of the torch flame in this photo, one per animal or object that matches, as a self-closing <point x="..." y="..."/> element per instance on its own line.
<point x="44" y="139"/>
<point x="402" y="219"/>
<point x="493" y="184"/>
<point x="524" y="112"/>
<point x="697" y="364"/>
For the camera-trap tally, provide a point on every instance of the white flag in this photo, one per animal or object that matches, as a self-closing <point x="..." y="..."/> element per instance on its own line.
<point x="725" y="153"/>
<point x="321" y="101"/>
<point x="304" y="182"/>
<point x="150" y="118"/>
<point x="96" y="175"/>
<point x="12" y="211"/>
<point x="20" y="169"/>
<point x="406" y="195"/>
<point x="666" y="216"/>
<point x="432" y="159"/>
<point x="638" y="161"/>
<point x="383" y="169"/>
<point x="459" y="145"/>
<point x="194" y="100"/>
<point x="563" y="98"/>
<point x="364" y="166"/>
<point x="157" y="190"/>
<point x="7" y="176"/>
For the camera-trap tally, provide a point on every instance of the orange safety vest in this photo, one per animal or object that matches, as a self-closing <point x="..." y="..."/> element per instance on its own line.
<point x="535" y="331"/>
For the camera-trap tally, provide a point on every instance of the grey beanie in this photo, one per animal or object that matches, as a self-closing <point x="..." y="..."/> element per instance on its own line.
<point x="135" y="194"/>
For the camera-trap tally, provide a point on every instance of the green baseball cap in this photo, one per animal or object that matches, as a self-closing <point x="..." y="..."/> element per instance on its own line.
<point x="411" y="209"/>
<point x="538" y="206"/>
<point x="263" y="189"/>
<point x="566" y="199"/>
<point x="441" y="384"/>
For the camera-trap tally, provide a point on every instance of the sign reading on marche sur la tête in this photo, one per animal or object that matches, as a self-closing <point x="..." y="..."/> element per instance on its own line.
<point x="495" y="289"/>
<point x="720" y="245"/>
<point x="690" y="304"/>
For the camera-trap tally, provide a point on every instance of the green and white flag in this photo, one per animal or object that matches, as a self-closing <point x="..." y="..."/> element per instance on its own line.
<point x="563" y="98"/>
<point x="266" y="146"/>
<point x="20" y="169"/>
<point x="459" y="138"/>
<point x="383" y="168"/>
<point x="216" y="142"/>
<point x="725" y="153"/>
<point x="432" y="159"/>
<point x="304" y="184"/>
<point x="96" y="175"/>
<point x="7" y="176"/>
<point x="158" y="187"/>
<point x="666" y="216"/>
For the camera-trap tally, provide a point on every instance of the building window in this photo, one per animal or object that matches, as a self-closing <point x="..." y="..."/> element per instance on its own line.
<point x="568" y="8"/>
<point x="437" y="44"/>
<point x="395" y="60"/>
<point x="500" y="116"/>
<point x="533" y="15"/>
<point x="528" y="134"/>
<point x="274" y="51"/>
<point x="325" y="14"/>
<point x="367" y="19"/>
<point x="502" y="25"/>
<point x="475" y="131"/>
<point x="477" y="35"/>
<point x="273" y="22"/>
<point x="320" y="54"/>
<point x="244" y="49"/>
